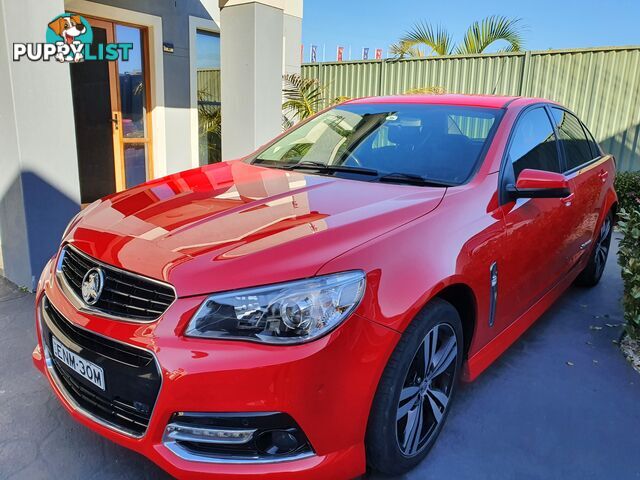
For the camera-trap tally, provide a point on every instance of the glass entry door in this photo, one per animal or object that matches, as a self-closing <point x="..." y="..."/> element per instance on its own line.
<point x="112" y="115"/>
<point x="134" y="119"/>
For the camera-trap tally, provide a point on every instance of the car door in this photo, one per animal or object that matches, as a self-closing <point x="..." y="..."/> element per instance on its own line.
<point x="538" y="229"/>
<point x="585" y="177"/>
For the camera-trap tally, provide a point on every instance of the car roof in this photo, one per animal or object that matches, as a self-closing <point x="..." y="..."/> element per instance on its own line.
<point x="486" y="101"/>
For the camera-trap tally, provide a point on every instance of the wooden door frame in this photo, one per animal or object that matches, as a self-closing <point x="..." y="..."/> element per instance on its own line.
<point x="119" y="141"/>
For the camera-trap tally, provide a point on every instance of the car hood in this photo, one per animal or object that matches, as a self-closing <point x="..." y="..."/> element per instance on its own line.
<point x="233" y="225"/>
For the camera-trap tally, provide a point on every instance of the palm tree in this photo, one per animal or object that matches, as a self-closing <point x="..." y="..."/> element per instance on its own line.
<point x="478" y="37"/>
<point x="492" y="29"/>
<point x="209" y="126"/>
<point x="303" y="97"/>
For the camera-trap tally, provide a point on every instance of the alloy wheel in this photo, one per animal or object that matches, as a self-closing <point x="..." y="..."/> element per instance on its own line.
<point x="426" y="390"/>
<point x="602" y="246"/>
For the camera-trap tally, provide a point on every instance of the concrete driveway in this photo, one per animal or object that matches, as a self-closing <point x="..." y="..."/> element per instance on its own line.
<point x="561" y="403"/>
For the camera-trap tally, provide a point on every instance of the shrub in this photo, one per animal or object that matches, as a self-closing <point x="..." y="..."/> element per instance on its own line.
<point x="628" y="189"/>
<point x="629" y="260"/>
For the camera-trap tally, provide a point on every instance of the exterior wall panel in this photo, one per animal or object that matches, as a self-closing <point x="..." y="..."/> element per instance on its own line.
<point x="602" y="85"/>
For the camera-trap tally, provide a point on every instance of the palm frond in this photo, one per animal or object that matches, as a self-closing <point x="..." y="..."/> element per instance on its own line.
<point x="303" y="96"/>
<point x="489" y="30"/>
<point x="209" y="114"/>
<point x="287" y="123"/>
<point x="405" y="50"/>
<point x="435" y="90"/>
<point x="424" y="34"/>
<point x="339" y="99"/>
<point x="210" y="121"/>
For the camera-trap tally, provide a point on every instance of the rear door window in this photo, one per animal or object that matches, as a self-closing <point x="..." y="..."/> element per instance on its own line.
<point x="595" y="148"/>
<point x="572" y="136"/>
<point x="534" y="143"/>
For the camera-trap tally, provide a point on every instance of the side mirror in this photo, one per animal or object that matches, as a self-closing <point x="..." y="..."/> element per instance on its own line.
<point x="539" y="184"/>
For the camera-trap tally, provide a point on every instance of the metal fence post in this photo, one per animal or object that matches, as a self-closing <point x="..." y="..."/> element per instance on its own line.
<point x="383" y="76"/>
<point x="320" y="78"/>
<point x="524" y="79"/>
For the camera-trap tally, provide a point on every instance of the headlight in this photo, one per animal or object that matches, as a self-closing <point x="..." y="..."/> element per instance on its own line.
<point x="285" y="313"/>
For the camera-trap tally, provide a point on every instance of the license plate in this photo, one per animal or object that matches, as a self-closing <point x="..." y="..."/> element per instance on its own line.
<point x="82" y="367"/>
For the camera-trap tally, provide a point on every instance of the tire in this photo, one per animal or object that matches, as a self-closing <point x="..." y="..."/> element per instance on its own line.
<point x="592" y="273"/>
<point x="394" y="445"/>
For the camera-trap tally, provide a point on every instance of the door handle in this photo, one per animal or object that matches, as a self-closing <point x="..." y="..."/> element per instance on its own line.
<point x="604" y="174"/>
<point x="568" y="200"/>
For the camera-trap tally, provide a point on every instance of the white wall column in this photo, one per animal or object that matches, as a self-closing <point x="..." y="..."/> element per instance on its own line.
<point x="253" y="52"/>
<point x="292" y="35"/>
<point x="39" y="186"/>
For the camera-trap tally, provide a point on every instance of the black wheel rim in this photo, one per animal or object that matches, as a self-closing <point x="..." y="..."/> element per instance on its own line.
<point x="602" y="247"/>
<point x="426" y="390"/>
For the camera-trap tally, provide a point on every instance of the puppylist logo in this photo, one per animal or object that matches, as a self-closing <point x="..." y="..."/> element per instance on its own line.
<point x="69" y="38"/>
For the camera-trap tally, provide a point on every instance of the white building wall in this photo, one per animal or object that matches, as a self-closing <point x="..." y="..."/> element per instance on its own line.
<point x="259" y="42"/>
<point x="39" y="186"/>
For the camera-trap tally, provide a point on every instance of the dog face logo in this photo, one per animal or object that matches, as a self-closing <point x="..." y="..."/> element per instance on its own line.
<point x="68" y="27"/>
<point x="72" y="30"/>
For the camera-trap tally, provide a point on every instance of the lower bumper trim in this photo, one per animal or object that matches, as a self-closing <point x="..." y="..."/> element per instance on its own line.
<point x="190" y="456"/>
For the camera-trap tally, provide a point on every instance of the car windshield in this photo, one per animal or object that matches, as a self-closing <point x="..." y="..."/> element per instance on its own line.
<point x="402" y="143"/>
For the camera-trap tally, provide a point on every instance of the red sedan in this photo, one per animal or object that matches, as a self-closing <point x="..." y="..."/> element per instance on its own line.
<point x="307" y="311"/>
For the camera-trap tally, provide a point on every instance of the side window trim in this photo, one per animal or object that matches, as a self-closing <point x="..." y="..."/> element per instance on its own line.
<point x="598" y="153"/>
<point x="559" y="144"/>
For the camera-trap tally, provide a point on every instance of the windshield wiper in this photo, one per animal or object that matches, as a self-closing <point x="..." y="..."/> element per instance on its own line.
<point x="311" y="165"/>
<point x="394" y="177"/>
<point x="410" y="179"/>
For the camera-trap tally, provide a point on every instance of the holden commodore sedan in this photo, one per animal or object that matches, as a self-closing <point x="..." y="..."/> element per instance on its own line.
<point x="307" y="311"/>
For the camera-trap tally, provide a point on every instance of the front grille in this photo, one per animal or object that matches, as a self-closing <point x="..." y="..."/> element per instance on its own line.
<point x="132" y="379"/>
<point x="124" y="295"/>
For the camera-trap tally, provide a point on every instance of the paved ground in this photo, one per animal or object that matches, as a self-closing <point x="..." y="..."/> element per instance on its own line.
<point x="532" y="415"/>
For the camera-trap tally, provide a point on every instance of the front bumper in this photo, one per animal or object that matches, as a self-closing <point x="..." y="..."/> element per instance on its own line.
<point x="326" y="386"/>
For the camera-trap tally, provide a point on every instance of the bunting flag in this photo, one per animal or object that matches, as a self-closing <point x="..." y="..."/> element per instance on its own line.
<point x="365" y="53"/>
<point x="378" y="54"/>
<point x="314" y="53"/>
<point x="340" y="53"/>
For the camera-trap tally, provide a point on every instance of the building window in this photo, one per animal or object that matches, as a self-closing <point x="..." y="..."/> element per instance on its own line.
<point x="208" y="74"/>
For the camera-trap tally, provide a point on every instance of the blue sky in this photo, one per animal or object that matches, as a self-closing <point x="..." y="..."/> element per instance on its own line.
<point x="208" y="50"/>
<point x="550" y="23"/>
<point x="126" y="34"/>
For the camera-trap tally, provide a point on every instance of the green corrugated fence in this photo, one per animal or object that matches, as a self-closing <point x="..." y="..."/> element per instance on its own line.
<point x="602" y="85"/>
<point x="209" y="84"/>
